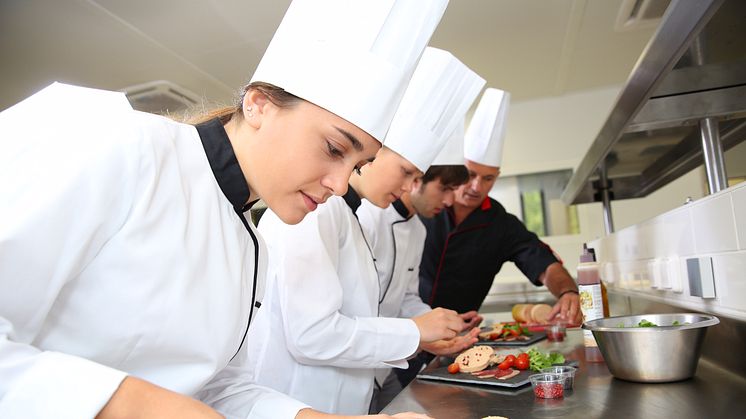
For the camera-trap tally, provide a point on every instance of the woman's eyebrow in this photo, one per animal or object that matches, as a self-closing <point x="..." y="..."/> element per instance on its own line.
<point x="356" y="144"/>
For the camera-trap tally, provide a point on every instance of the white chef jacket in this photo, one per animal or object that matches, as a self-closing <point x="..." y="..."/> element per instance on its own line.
<point x="121" y="253"/>
<point x="397" y="240"/>
<point x="318" y="336"/>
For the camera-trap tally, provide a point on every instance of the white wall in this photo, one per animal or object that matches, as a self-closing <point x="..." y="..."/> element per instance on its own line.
<point x="554" y="133"/>
<point x="649" y="259"/>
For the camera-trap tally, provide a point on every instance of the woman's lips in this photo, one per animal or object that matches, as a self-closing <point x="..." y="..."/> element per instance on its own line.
<point x="311" y="204"/>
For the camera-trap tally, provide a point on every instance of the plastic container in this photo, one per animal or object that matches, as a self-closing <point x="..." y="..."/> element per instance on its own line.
<point x="548" y="386"/>
<point x="555" y="332"/>
<point x="566" y="372"/>
<point x="591" y="300"/>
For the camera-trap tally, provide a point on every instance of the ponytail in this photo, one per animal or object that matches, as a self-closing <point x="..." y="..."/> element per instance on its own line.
<point x="277" y="95"/>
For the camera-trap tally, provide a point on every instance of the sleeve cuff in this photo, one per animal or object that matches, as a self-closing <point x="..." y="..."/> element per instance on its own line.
<point x="276" y="406"/>
<point x="61" y="386"/>
<point x="398" y="339"/>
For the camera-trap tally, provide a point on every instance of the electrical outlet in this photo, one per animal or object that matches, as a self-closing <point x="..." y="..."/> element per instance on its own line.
<point x="701" y="277"/>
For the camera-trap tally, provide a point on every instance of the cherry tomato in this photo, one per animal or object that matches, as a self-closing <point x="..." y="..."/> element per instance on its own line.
<point x="523" y="355"/>
<point x="454" y="368"/>
<point x="514" y="332"/>
<point x="511" y="358"/>
<point x="494" y="336"/>
<point x="521" y="363"/>
<point x="504" y="365"/>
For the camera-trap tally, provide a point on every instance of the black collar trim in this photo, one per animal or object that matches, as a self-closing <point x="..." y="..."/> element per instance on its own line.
<point x="224" y="164"/>
<point x="401" y="209"/>
<point x="352" y="199"/>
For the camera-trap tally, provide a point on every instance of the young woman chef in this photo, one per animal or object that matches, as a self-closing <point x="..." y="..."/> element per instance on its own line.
<point x="128" y="271"/>
<point x="318" y="336"/>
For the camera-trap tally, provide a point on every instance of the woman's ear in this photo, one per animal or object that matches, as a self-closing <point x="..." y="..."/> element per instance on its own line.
<point x="255" y="107"/>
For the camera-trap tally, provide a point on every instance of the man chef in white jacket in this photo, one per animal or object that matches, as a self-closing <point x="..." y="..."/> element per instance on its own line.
<point x="397" y="237"/>
<point x="128" y="272"/>
<point x="318" y="336"/>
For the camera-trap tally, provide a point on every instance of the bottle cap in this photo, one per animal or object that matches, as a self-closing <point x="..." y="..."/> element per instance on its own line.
<point x="588" y="255"/>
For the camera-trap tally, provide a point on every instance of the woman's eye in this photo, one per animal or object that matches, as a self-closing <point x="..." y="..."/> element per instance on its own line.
<point x="334" y="151"/>
<point x="357" y="169"/>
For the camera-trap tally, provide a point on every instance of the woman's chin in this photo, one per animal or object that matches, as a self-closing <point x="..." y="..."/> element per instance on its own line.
<point x="289" y="215"/>
<point x="381" y="203"/>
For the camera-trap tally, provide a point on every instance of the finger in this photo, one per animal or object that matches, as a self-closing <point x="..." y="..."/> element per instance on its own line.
<point x="575" y="310"/>
<point x="556" y="309"/>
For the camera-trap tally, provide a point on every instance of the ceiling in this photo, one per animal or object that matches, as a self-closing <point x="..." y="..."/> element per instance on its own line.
<point x="532" y="48"/>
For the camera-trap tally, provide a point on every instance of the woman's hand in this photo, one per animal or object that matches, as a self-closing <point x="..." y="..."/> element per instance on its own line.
<point x="136" y="398"/>
<point x="440" y="323"/>
<point x="451" y="346"/>
<point x="471" y="319"/>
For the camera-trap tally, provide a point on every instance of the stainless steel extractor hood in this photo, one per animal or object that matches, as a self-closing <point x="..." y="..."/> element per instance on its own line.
<point x="689" y="83"/>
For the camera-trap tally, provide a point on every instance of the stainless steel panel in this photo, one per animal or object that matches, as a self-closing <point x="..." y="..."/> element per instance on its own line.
<point x="693" y="68"/>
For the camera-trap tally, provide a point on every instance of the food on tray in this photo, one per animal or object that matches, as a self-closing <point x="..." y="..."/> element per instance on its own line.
<point x="483" y="362"/>
<point x="538" y="360"/>
<point x="476" y="358"/>
<point x="505" y="332"/>
<point x="531" y="313"/>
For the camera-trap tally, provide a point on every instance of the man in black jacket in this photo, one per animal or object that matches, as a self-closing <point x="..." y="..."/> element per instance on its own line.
<point x="467" y="245"/>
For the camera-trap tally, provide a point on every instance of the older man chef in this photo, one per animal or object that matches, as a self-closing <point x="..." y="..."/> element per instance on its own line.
<point x="467" y="245"/>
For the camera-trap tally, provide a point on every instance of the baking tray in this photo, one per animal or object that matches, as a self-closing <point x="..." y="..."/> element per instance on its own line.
<point x="535" y="337"/>
<point x="442" y="374"/>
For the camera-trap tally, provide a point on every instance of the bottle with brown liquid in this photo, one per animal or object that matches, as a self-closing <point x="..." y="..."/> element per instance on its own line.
<point x="592" y="302"/>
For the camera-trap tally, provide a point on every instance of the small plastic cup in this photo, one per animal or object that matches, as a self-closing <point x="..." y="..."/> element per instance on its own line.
<point x="555" y="332"/>
<point x="548" y="386"/>
<point x="566" y="372"/>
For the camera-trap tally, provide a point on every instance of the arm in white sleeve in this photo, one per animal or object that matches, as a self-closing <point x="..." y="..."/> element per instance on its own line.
<point x="61" y="197"/>
<point x="311" y="296"/>
<point x="233" y="396"/>
<point x="412" y="305"/>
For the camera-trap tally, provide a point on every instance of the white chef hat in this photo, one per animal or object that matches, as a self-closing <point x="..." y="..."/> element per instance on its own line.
<point x="441" y="90"/>
<point x="453" y="152"/>
<point x="353" y="58"/>
<point x="484" y="138"/>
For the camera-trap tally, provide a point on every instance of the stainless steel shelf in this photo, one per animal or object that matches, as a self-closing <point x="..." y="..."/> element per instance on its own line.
<point x="693" y="68"/>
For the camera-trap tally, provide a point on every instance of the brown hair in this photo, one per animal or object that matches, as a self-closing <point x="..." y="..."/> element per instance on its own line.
<point x="449" y="175"/>
<point x="277" y="95"/>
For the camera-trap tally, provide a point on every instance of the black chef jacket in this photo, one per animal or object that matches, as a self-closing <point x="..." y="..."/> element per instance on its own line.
<point x="459" y="263"/>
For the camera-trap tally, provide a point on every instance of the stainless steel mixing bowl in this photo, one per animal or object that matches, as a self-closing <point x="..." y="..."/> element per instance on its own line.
<point x="652" y="354"/>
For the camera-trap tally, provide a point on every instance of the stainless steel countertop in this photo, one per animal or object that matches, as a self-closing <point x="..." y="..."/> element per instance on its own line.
<point x="711" y="393"/>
